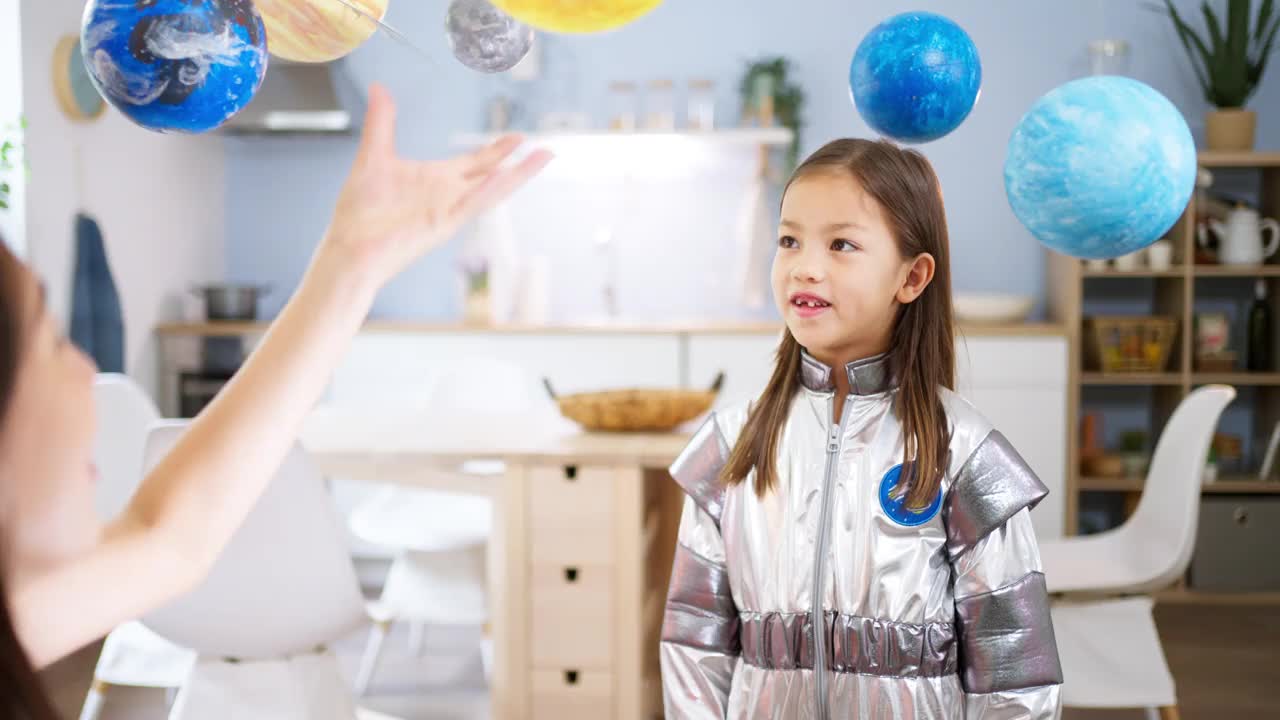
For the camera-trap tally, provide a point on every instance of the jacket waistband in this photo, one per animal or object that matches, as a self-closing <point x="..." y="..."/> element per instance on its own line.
<point x="867" y="646"/>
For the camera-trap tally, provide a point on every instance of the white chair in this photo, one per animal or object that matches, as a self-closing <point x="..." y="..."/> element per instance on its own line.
<point x="1107" y="640"/>
<point x="438" y="576"/>
<point x="283" y="589"/>
<point x="132" y="655"/>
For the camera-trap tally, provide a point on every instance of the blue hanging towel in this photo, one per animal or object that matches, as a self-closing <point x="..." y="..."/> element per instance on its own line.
<point x="97" y="324"/>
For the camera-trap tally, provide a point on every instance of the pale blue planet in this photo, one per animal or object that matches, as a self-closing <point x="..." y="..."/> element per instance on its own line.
<point x="1100" y="167"/>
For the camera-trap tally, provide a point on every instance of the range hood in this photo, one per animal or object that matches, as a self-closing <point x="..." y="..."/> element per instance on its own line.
<point x="295" y="98"/>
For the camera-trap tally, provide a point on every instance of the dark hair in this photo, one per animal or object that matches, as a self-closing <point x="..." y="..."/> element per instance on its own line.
<point x="22" y="693"/>
<point x="922" y="351"/>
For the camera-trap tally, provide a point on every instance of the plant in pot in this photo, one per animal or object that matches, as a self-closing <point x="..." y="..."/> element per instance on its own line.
<point x="768" y="93"/>
<point x="1229" y="63"/>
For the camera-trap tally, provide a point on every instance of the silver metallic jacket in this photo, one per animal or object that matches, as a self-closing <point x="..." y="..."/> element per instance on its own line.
<point x="937" y="613"/>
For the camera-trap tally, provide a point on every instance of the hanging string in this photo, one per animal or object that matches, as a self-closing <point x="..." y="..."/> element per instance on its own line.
<point x="394" y="33"/>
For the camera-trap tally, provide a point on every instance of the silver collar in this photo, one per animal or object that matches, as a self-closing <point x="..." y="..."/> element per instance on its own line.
<point x="867" y="376"/>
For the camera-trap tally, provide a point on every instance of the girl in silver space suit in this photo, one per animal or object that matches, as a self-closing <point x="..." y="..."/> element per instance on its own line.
<point x="856" y="542"/>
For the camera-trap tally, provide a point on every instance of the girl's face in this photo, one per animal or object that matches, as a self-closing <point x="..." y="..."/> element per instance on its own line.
<point x="838" y="275"/>
<point x="46" y="443"/>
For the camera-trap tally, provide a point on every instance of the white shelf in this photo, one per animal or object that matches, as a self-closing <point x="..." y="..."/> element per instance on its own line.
<point x="779" y="136"/>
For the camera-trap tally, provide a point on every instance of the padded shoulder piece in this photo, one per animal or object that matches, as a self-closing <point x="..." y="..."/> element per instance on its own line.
<point x="994" y="484"/>
<point x="697" y="470"/>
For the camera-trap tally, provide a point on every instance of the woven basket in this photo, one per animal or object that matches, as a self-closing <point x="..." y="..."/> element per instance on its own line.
<point x="1129" y="344"/>
<point x="636" y="409"/>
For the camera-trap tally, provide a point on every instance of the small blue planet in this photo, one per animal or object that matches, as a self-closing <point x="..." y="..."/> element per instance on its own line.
<point x="915" y="77"/>
<point x="1100" y="167"/>
<point x="183" y="66"/>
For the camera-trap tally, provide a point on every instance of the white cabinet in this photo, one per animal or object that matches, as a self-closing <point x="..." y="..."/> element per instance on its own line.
<point x="1019" y="383"/>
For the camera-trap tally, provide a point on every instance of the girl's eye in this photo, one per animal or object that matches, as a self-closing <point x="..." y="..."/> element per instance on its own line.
<point x="843" y="246"/>
<point x="786" y="241"/>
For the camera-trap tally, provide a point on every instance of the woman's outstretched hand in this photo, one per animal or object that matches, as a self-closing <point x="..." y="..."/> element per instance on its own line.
<point x="392" y="210"/>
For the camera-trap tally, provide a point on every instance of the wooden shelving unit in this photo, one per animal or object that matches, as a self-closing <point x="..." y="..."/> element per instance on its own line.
<point x="1176" y="292"/>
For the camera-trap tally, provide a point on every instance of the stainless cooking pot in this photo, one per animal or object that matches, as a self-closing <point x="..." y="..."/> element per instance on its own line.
<point x="228" y="301"/>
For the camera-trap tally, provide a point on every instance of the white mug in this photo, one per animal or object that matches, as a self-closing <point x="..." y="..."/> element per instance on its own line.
<point x="1160" y="255"/>
<point x="1130" y="261"/>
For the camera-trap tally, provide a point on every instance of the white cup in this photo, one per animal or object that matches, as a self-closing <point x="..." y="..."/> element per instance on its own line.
<point x="1160" y="255"/>
<point x="1129" y="262"/>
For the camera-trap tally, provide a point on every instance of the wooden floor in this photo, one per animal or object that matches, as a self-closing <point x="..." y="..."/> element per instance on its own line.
<point x="1225" y="659"/>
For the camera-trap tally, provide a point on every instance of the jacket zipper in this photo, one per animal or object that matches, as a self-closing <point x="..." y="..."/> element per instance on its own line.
<point x="835" y="438"/>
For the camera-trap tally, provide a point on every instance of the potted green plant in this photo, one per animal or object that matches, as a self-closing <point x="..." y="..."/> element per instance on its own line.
<point x="768" y="94"/>
<point x="1229" y="63"/>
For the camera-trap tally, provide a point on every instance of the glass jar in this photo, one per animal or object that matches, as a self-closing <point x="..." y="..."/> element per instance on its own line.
<point x="660" y="108"/>
<point x="702" y="104"/>
<point x="622" y="106"/>
<point x="1109" y="57"/>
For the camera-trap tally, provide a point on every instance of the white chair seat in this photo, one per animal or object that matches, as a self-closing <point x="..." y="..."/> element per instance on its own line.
<point x="1111" y="655"/>
<point x="301" y="687"/>
<point x="437" y="588"/>
<point x="1115" y="562"/>
<point x="423" y="520"/>
<point x="135" y="656"/>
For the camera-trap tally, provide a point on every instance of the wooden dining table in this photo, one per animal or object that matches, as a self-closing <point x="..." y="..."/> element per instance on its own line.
<point x="580" y="556"/>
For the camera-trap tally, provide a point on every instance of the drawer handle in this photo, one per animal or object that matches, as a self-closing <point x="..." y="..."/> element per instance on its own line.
<point x="1241" y="516"/>
<point x="570" y="677"/>
<point x="571" y="472"/>
<point x="571" y="574"/>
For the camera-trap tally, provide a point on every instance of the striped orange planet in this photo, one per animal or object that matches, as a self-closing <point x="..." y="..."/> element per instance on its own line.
<point x="318" y="30"/>
<point x="576" y="16"/>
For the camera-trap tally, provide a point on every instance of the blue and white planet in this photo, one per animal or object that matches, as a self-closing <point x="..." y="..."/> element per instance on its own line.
<point x="175" y="65"/>
<point x="915" y="77"/>
<point x="1100" y="167"/>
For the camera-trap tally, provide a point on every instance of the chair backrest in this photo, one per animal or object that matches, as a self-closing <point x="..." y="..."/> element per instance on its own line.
<point x="1162" y="529"/>
<point x="283" y="585"/>
<point x="125" y="414"/>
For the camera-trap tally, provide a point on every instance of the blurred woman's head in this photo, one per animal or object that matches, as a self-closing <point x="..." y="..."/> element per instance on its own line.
<point x="46" y="470"/>
<point x="46" y="432"/>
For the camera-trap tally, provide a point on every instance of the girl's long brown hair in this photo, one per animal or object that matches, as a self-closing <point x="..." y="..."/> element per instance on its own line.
<point x="22" y="694"/>
<point x="922" y="349"/>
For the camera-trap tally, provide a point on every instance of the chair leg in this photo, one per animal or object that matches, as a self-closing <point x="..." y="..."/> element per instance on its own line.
<point x="93" y="701"/>
<point x="372" y="653"/>
<point x="1169" y="712"/>
<point x="486" y="652"/>
<point x="417" y="637"/>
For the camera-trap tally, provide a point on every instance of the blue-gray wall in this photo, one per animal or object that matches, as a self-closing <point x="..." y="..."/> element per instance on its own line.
<point x="281" y="189"/>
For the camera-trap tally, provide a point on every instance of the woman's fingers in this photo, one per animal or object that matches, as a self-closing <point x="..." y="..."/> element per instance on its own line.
<point x="483" y="161"/>
<point x="500" y="183"/>
<point x="378" y="138"/>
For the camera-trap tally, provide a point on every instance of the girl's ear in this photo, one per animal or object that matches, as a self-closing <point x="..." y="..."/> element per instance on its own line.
<point x="917" y="278"/>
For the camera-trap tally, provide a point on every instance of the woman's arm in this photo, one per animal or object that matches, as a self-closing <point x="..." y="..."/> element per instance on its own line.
<point x="389" y="212"/>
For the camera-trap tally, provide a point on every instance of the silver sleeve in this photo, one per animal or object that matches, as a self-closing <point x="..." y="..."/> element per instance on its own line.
<point x="1009" y="666"/>
<point x="701" y="638"/>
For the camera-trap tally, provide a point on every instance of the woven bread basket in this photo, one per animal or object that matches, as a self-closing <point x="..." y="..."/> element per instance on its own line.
<point x="636" y="409"/>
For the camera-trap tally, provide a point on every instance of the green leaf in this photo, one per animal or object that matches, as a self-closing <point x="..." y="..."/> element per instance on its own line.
<point x="1259" y="64"/>
<point x="1264" y="15"/>
<point x="1215" y="29"/>
<point x="1188" y="37"/>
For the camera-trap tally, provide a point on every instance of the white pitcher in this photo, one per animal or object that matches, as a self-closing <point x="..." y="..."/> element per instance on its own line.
<point x="1240" y="237"/>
